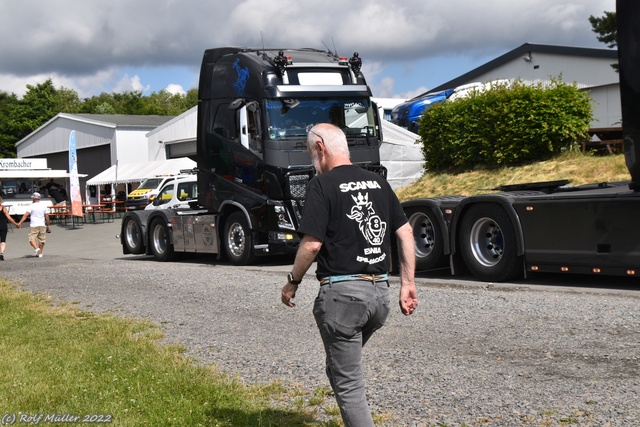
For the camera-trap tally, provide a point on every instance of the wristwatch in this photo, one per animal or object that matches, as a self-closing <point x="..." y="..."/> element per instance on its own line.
<point x="291" y="280"/>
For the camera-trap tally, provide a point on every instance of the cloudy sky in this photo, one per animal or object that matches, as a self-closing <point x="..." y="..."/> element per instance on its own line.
<point x="407" y="46"/>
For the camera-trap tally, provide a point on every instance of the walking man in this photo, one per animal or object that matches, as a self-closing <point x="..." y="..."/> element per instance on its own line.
<point x="349" y="215"/>
<point x="39" y="225"/>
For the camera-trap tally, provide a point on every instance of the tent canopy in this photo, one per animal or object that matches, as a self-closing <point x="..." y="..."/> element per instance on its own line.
<point x="137" y="172"/>
<point x="401" y="155"/>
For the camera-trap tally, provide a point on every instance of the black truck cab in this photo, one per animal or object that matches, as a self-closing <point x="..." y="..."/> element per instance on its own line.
<point x="254" y="110"/>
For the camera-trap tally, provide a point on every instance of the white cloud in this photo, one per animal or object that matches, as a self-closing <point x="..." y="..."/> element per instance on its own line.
<point x="128" y="84"/>
<point x="81" y="41"/>
<point x="174" y="89"/>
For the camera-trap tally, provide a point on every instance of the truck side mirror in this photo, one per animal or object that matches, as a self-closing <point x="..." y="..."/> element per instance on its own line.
<point x="237" y="104"/>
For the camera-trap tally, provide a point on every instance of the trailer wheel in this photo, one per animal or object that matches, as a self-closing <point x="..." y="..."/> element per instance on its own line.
<point x="161" y="247"/>
<point x="133" y="236"/>
<point x="238" y="243"/>
<point x="488" y="244"/>
<point x="427" y="237"/>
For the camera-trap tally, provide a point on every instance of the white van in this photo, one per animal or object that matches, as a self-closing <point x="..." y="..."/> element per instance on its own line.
<point x="146" y="192"/>
<point x="176" y="194"/>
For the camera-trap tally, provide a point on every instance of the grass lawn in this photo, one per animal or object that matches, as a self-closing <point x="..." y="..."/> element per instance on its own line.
<point x="57" y="359"/>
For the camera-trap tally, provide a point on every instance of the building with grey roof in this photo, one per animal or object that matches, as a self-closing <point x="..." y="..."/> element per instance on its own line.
<point x="101" y="141"/>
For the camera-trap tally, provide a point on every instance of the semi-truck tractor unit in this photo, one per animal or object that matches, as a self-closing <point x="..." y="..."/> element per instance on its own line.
<point x="254" y="109"/>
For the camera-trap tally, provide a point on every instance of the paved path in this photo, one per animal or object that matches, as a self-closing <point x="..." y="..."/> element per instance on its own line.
<point x="93" y="241"/>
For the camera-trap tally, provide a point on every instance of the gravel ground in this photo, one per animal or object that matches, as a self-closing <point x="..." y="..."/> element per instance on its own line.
<point x="469" y="356"/>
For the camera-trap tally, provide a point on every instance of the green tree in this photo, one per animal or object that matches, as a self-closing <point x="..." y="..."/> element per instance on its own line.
<point x="40" y="103"/>
<point x="7" y="140"/>
<point x="158" y="103"/>
<point x="191" y="99"/>
<point x="606" y="28"/>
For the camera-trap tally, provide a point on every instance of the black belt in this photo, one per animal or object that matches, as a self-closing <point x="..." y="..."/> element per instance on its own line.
<point x="354" y="277"/>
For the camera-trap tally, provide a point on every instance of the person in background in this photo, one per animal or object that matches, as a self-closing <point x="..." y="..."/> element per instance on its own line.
<point x="51" y="185"/>
<point x="40" y="224"/>
<point x="5" y="219"/>
<point x="349" y="216"/>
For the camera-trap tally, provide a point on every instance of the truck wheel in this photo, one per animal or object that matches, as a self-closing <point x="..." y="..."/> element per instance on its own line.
<point x="427" y="236"/>
<point x="238" y="243"/>
<point x="161" y="247"/>
<point x="488" y="244"/>
<point x="133" y="236"/>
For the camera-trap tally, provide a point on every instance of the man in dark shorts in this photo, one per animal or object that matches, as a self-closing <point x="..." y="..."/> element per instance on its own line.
<point x="349" y="215"/>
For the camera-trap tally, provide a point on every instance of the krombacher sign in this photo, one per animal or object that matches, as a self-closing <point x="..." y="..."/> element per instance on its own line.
<point x="23" y="164"/>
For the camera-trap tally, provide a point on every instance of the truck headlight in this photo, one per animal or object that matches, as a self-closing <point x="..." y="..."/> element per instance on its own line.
<point x="283" y="217"/>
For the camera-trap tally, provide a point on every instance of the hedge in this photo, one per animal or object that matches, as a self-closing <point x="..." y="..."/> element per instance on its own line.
<point x="505" y="125"/>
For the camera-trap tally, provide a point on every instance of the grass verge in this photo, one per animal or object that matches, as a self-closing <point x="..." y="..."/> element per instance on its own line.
<point x="578" y="168"/>
<point x="62" y="360"/>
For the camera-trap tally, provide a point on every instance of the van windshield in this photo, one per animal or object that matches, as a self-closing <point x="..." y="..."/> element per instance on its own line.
<point x="150" y="183"/>
<point x="292" y="118"/>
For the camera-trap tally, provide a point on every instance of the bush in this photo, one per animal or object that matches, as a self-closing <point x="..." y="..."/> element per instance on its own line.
<point x="504" y="126"/>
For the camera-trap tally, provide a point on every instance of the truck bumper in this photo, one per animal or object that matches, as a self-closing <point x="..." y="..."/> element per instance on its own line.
<point x="278" y="245"/>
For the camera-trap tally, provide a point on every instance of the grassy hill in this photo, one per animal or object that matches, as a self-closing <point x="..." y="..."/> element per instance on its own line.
<point x="578" y="168"/>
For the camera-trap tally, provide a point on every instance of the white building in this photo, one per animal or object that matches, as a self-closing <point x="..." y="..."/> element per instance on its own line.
<point x="590" y="69"/>
<point x="101" y="141"/>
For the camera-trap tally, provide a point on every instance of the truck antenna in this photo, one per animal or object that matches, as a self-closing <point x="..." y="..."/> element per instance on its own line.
<point x="329" y="50"/>
<point x="335" y="51"/>
<point x="264" y="51"/>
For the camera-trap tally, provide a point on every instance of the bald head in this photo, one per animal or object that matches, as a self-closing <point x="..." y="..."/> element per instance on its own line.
<point x="328" y="147"/>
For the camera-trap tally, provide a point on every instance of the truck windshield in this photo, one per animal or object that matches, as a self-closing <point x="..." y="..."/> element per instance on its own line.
<point x="291" y="118"/>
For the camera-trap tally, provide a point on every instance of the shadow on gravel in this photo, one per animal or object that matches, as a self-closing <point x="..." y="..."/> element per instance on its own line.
<point x="272" y="261"/>
<point x="533" y="280"/>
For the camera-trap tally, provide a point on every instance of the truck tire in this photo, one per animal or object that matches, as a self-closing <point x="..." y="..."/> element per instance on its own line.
<point x="237" y="240"/>
<point x="133" y="236"/>
<point x="488" y="244"/>
<point x="159" y="241"/>
<point x="427" y="237"/>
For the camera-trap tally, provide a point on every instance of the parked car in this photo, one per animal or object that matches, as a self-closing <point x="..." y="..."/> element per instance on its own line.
<point x="176" y="194"/>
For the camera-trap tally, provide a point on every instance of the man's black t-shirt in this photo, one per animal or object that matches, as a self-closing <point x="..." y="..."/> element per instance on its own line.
<point x="354" y="212"/>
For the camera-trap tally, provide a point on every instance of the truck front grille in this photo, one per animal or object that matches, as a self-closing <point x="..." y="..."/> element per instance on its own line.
<point x="379" y="169"/>
<point x="297" y="183"/>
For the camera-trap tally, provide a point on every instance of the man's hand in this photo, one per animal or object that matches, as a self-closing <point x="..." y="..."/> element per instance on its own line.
<point x="289" y="293"/>
<point x="408" y="299"/>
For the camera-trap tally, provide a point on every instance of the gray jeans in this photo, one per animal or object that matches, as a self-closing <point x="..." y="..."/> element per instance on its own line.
<point x="347" y="314"/>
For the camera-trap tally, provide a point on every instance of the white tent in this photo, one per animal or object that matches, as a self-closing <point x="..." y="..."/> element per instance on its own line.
<point x="401" y="155"/>
<point x="137" y="172"/>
